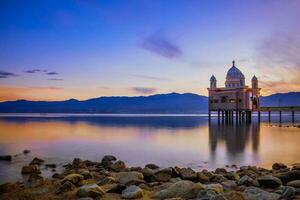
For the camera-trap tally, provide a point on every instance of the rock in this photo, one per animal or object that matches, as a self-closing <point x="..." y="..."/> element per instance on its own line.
<point x="58" y="176"/>
<point x="229" y="185"/>
<point x="286" y="177"/>
<point x="152" y="166"/>
<point x="78" y="164"/>
<point x="288" y="193"/>
<point x="278" y="166"/>
<point x="233" y="195"/>
<point x="117" y="188"/>
<point x="184" y="189"/>
<point x="269" y="181"/>
<point x="109" y="158"/>
<point x="202" y="177"/>
<point x="221" y="171"/>
<point x="137" y="169"/>
<point x="129" y="178"/>
<point x="247" y="181"/>
<point x="206" y="195"/>
<point x="218" y="188"/>
<point x="188" y="174"/>
<point x="73" y="178"/>
<point x="163" y="175"/>
<point x="26" y="151"/>
<point x="6" y="158"/>
<point x="217" y="178"/>
<point x="34" y="180"/>
<point x="232" y="176"/>
<point x="31" y="169"/>
<point x="66" y="187"/>
<point x="254" y="193"/>
<point x="50" y="165"/>
<point x="91" y="190"/>
<point x="118" y="166"/>
<point x="132" y="192"/>
<point x="85" y="173"/>
<point x="147" y="173"/>
<point x="107" y="180"/>
<point x="295" y="183"/>
<point x="174" y="180"/>
<point x="36" y="161"/>
<point x="7" y="187"/>
<point x="296" y="166"/>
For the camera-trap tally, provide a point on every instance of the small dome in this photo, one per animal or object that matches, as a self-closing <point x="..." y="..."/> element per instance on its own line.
<point x="213" y="78"/>
<point x="254" y="78"/>
<point x="234" y="73"/>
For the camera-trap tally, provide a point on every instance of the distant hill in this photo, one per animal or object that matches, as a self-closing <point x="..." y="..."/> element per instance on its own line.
<point x="160" y="103"/>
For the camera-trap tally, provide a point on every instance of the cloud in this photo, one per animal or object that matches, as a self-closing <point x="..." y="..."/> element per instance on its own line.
<point x="32" y="71"/>
<point x="55" y="79"/>
<point x="52" y="73"/>
<point x="160" y="45"/>
<point x="143" y="90"/>
<point x="5" y="74"/>
<point x="151" y="77"/>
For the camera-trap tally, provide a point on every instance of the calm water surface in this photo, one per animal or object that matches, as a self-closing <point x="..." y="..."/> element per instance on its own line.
<point x="138" y="140"/>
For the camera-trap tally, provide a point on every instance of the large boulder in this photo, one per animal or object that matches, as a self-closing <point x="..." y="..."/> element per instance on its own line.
<point x="202" y="177"/>
<point x="73" y="178"/>
<point x="163" y="175"/>
<point x="218" y="188"/>
<point x="286" y="177"/>
<point x="278" y="166"/>
<point x="152" y="166"/>
<point x="91" y="190"/>
<point x="269" y="181"/>
<point x="129" y="178"/>
<point x="66" y="187"/>
<point x="188" y="174"/>
<point x="254" y="193"/>
<point x="183" y="189"/>
<point x="232" y="176"/>
<point x="229" y="185"/>
<point x="232" y="195"/>
<point x="31" y="169"/>
<point x="109" y="158"/>
<point x="288" y="193"/>
<point x="118" y="166"/>
<point x="217" y="178"/>
<point x="132" y="192"/>
<point x="248" y="181"/>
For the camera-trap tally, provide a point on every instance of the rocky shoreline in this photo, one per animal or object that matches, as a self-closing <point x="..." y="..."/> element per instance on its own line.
<point x="112" y="179"/>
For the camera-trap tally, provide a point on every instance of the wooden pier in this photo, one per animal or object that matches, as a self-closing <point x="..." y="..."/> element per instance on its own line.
<point x="228" y="116"/>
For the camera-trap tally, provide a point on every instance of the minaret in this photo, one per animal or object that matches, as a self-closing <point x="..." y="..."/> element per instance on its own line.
<point x="213" y="82"/>
<point x="254" y="82"/>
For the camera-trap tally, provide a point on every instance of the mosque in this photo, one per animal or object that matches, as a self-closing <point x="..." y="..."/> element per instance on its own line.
<point x="236" y="95"/>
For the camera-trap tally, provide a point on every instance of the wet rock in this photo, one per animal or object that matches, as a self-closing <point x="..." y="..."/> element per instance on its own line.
<point x="254" y="193"/>
<point x="147" y="173"/>
<point x="247" y="181"/>
<point x="152" y="166"/>
<point x="118" y="166"/>
<point x="117" y="188"/>
<point x="218" y="188"/>
<point x="6" y="158"/>
<point x="221" y="171"/>
<point x="288" y="193"/>
<point x="73" y="178"/>
<point x="66" y="187"/>
<point x="269" y="181"/>
<point x="91" y="190"/>
<point x="184" y="189"/>
<point x="229" y="185"/>
<point x="78" y="164"/>
<point x="31" y="169"/>
<point x="233" y="195"/>
<point x="34" y="180"/>
<point x="232" y="176"/>
<point x="85" y="173"/>
<point x="26" y="151"/>
<point x="36" y="161"/>
<point x="107" y="180"/>
<point x="217" y="178"/>
<point x="286" y="177"/>
<point x="163" y="175"/>
<point x="188" y="174"/>
<point x="109" y="158"/>
<point x="130" y="178"/>
<point x="278" y="166"/>
<point x="132" y="192"/>
<point x="202" y="177"/>
<point x="206" y="195"/>
<point x="50" y="165"/>
<point x="295" y="183"/>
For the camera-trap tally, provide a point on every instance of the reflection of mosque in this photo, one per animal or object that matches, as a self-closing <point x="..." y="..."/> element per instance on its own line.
<point x="235" y="137"/>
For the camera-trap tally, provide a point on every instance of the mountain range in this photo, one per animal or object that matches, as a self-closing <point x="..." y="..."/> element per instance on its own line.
<point x="160" y="103"/>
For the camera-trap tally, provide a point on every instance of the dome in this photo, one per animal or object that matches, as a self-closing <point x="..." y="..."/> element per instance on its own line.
<point x="234" y="73"/>
<point x="213" y="78"/>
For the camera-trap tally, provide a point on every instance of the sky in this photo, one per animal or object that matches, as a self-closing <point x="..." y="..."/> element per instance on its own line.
<point x="62" y="49"/>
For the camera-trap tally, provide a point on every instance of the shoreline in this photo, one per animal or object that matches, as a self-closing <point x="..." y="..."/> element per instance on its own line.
<point x="110" y="178"/>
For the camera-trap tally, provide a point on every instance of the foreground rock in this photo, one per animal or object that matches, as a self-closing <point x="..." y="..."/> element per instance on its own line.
<point x="92" y="190"/>
<point x="31" y="169"/>
<point x="269" y="181"/>
<point x="130" y="178"/>
<point x="132" y="192"/>
<point x="253" y="193"/>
